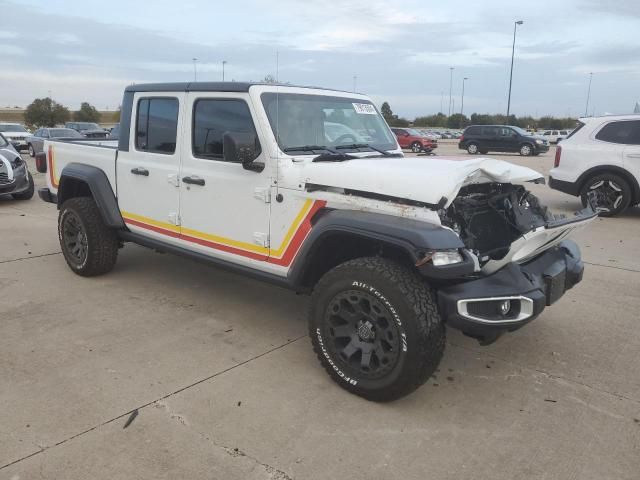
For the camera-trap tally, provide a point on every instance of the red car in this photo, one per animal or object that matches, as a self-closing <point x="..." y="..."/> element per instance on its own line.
<point x="414" y="140"/>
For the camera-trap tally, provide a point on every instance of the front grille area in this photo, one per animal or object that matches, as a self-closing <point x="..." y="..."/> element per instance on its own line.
<point x="4" y="178"/>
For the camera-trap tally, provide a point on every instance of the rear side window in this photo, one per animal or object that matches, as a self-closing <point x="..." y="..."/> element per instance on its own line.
<point x="625" y="132"/>
<point x="157" y="125"/>
<point x="575" y="130"/>
<point x="212" y="118"/>
<point x="472" y="131"/>
<point x="489" y="131"/>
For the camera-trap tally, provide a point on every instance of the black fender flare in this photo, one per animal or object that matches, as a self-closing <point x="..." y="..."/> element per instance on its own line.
<point x="413" y="236"/>
<point x="99" y="186"/>
<point x="628" y="176"/>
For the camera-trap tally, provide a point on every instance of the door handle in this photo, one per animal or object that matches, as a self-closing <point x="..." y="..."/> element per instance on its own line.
<point x="140" y="171"/>
<point x="193" y="180"/>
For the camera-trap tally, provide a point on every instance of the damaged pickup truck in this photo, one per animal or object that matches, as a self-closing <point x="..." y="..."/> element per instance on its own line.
<point x="392" y="250"/>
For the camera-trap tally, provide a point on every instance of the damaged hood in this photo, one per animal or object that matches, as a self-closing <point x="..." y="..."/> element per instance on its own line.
<point x="422" y="179"/>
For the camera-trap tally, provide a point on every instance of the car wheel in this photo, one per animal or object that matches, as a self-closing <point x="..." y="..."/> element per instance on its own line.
<point x="416" y="147"/>
<point x="88" y="245"/>
<point x="526" y="150"/>
<point x="608" y="194"/>
<point x="472" y="148"/>
<point x="32" y="152"/>
<point x="28" y="193"/>
<point x="375" y="327"/>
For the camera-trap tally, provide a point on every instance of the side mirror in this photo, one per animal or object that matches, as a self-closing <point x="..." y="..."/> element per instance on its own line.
<point x="242" y="147"/>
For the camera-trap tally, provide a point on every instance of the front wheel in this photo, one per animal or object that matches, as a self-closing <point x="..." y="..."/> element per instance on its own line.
<point x="89" y="246"/>
<point x="416" y="147"/>
<point x="608" y="194"/>
<point x="375" y="328"/>
<point x="526" y="150"/>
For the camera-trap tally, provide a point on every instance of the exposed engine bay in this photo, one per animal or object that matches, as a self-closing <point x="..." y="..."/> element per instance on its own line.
<point x="489" y="217"/>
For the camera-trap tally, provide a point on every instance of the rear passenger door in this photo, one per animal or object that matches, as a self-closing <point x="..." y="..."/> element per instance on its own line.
<point x="147" y="173"/>
<point x="489" y="139"/>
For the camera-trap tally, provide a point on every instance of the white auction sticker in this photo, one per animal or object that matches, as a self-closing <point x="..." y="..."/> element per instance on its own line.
<point x="364" y="108"/>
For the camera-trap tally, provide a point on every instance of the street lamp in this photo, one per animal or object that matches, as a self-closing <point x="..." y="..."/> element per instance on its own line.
<point x="513" y="49"/>
<point x="195" y="72"/>
<point x="586" y="108"/>
<point x="462" y="106"/>
<point x="224" y="62"/>
<point x="450" y="88"/>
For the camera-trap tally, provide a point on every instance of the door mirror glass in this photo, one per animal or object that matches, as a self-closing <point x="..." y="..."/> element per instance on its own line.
<point x="242" y="147"/>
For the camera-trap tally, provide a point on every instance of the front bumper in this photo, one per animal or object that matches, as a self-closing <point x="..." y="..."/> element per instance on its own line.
<point x="531" y="286"/>
<point x="570" y="188"/>
<point x="19" y="183"/>
<point x="19" y="144"/>
<point x="541" y="148"/>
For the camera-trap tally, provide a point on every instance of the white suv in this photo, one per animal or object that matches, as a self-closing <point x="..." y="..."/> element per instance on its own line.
<point x="600" y="160"/>
<point x="554" y="136"/>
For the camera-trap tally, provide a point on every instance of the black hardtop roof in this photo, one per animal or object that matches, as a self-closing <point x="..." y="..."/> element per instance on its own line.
<point x="208" y="87"/>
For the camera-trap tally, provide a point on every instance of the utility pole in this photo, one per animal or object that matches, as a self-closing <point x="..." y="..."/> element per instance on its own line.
<point x="462" y="106"/>
<point x="450" y="88"/>
<point x="224" y="62"/>
<point x="195" y="71"/>
<point x="513" y="50"/>
<point x="586" y="108"/>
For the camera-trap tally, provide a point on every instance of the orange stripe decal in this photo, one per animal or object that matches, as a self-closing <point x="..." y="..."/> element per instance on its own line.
<point x="52" y="168"/>
<point x="282" y="256"/>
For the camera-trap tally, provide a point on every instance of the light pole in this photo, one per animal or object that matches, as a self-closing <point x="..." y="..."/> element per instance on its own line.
<point x="195" y="72"/>
<point x="513" y="50"/>
<point x="462" y="102"/>
<point x="586" y="108"/>
<point x="441" y="101"/>
<point x="224" y="62"/>
<point x="450" y="88"/>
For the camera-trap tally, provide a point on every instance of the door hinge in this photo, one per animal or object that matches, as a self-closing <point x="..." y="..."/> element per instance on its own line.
<point x="174" y="219"/>
<point x="173" y="179"/>
<point x="261" y="239"/>
<point x="263" y="194"/>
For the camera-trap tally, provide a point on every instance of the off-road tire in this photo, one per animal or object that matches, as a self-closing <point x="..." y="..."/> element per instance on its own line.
<point x="101" y="241"/>
<point x="618" y="182"/>
<point x="421" y="333"/>
<point x="28" y="193"/>
<point x="526" y="150"/>
<point x="473" y="148"/>
<point x="416" y="147"/>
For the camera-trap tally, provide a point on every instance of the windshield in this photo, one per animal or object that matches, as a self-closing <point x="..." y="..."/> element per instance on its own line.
<point x="299" y="120"/>
<point x="12" y="127"/>
<point x="521" y="131"/>
<point x="88" y="126"/>
<point x="64" y="132"/>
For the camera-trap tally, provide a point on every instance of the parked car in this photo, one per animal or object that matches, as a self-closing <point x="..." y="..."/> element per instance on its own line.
<point x="114" y="134"/>
<point x="414" y="140"/>
<point x="500" y="138"/>
<point x="391" y="249"/>
<point x="16" y="134"/>
<point x="15" y="178"/>
<point x="36" y="141"/>
<point x="600" y="163"/>
<point x="554" y="136"/>
<point x="88" y="129"/>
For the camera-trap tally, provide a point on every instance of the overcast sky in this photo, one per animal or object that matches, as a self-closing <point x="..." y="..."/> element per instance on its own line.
<point x="400" y="51"/>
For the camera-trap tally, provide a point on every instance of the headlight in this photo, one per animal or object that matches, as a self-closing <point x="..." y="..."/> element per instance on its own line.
<point x="446" y="257"/>
<point x="539" y="142"/>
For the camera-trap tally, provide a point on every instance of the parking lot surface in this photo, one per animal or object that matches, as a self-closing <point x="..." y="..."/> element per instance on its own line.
<point x="214" y="377"/>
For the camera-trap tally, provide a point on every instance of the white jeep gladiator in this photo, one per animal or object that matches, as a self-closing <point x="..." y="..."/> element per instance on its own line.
<point x="392" y="249"/>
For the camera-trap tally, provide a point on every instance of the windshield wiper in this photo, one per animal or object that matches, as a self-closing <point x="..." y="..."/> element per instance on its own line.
<point x="355" y="146"/>
<point x="308" y="148"/>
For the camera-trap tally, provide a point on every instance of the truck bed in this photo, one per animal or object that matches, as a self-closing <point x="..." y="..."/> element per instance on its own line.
<point x="99" y="153"/>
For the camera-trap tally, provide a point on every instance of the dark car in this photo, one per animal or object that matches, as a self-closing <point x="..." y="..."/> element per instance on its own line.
<point x="414" y="140"/>
<point x="15" y="179"/>
<point x="88" y="129"/>
<point x="36" y="141"/>
<point x="115" y="132"/>
<point x="501" y="138"/>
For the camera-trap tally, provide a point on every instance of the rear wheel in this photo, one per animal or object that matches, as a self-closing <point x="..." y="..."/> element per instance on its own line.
<point x="526" y="150"/>
<point x="375" y="328"/>
<point x="607" y="193"/>
<point x="416" y="147"/>
<point x="88" y="245"/>
<point x="472" y="148"/>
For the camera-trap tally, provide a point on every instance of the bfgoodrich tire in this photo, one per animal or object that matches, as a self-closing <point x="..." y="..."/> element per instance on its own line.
<point x="88" y="245"/>
<point x="375" y="328"/>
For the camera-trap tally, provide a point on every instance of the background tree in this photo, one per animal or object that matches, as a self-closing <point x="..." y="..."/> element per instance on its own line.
<point x="386" y="112"/>
<point x="87" y="113"/>
<point x="44" y="112"/>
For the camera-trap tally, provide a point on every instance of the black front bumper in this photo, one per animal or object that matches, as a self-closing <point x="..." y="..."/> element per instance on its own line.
<point x="541" y="148"/>
<point x="19" y="183"/>
<point x="538" y="283"/>
<point x="565" y="187"/>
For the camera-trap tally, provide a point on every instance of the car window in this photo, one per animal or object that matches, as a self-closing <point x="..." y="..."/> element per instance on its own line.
<point x="622" y="132"/>
<point x="212" y="118"/>
<point x="563" y="132"/>
<point x="12" y="127"/>
<point x="3" y="141"/>
<point x="490" y="131"/>
<point x="472" y="131"/>
<point x="157" y="125"/>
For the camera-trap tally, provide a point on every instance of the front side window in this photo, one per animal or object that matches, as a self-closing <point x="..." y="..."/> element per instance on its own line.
<point x="3" y="141"/>
<point x="212" y="118"/>
<point x="303" y="120"/>
<point x="624" y="132"/>
<point x="157" y="125"/>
